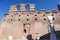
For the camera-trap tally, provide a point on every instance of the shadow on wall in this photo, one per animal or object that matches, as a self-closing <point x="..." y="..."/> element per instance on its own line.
<point x="47" y="36"/>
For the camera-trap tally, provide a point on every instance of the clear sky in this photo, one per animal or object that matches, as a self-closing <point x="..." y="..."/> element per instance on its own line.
<point x="40" y="4"/>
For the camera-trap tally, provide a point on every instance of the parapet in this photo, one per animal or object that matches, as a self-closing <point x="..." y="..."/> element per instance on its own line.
<point x="48" y="11"/>
<point x="42" y="11"/>
<point x="23" y="7"/>
<point x="13" y="8"/>
<point x="53" y="11"/>
<point x="32" y="7"/>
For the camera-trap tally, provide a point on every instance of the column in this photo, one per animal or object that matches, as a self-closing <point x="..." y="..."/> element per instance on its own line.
<point x="23" y="7"/>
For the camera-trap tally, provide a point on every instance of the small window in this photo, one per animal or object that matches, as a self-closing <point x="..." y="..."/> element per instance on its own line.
<point x="36" y="19"/>
<point x="52" y="15"/>
<point x="44" y="15"/>
<point x="44" y="18"/>
<point x="19" y="15"/>
<point x="53" y="18"/>
<point x="35" y="14"/>
<point x="11" y="19"/>
<point x="27" y="15"/>
<point x="19" y="19"/>
<point x="27" y="19"/>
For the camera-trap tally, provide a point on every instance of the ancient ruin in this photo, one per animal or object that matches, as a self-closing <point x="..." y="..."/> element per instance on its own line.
<point x="30" y="24"/>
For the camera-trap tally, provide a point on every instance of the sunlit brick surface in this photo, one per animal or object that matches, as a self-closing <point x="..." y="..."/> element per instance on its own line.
<point x="23" y="22"/>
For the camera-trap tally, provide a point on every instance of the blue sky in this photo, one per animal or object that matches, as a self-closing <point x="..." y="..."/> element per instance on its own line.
<point x="40" y="4"/>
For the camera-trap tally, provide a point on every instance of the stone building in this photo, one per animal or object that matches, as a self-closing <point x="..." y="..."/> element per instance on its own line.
<point x="28" y="23"/>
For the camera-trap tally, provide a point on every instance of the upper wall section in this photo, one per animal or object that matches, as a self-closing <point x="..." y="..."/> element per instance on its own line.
<point x="23" y="7"/>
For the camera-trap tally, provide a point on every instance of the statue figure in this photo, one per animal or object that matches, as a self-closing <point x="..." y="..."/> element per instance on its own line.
<point x="52" y="35"/>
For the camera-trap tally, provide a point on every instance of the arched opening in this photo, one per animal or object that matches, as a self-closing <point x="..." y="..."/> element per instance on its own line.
<point x="27" y="7"/>
<point x="18" y="7"/>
